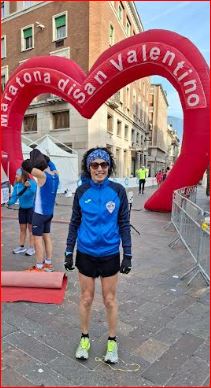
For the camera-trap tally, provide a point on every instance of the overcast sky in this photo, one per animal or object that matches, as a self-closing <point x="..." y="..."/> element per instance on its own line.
<point x="188" y="18"/>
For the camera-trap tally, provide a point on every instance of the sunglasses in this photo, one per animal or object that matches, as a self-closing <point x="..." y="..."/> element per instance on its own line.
<point x="95" y="165"/>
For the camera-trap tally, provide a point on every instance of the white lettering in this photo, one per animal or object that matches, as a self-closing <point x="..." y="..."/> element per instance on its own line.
<point x="78" y="95"/>
<point x="62" y="84"/>
<point x="154" y="53"/>
<point x="27" y="77"/>
<point x="4" y="120"/>
<point x="119" y="65"/>
<point x="7" y="97"/>
<point x="13" y="90"/>
<point x="185" y="74"/>
<point x="132" y="56"/>
<point x="192" y="88"/>
<point x="193" y="100"/>
<point x="47" y="78"/>
<point x="4" y="107"/>
<point x="89" y="88"/>
<point x="144" y="53"/>
<point x="71" y="89"/>
<point x="180" y="65"/>
<point x="167" y="54"/>
<point x="97" y="77"/>
<point x="37" y="75"/>
<point x="17" y="79"/>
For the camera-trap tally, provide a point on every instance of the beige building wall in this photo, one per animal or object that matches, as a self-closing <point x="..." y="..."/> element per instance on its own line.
<point x="158" y="147"/>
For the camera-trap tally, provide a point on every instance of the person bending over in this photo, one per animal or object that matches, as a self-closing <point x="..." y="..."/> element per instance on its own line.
<point x="47" y="185"/>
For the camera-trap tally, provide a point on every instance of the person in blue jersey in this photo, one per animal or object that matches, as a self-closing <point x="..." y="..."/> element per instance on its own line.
<point x="44" y="170"/>
<point x="24" y="192"/>
<point x="99" y="222"/>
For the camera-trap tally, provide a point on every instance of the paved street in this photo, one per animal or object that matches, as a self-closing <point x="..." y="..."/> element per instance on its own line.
<point x="163" y="331"/>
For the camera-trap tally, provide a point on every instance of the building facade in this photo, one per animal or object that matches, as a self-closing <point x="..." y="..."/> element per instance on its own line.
<point x="81" y="31"/>
<point x="160" y="137"/>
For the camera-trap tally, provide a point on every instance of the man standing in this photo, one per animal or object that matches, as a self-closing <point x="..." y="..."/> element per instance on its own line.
<point x="142" y="174"/>
<point x="47" y="185"/>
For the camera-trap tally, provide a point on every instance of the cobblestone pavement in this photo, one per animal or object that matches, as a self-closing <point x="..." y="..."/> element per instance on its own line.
<point x="163" y="330"/>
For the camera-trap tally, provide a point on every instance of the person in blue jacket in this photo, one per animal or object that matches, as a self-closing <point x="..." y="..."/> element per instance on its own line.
<point x="44" y="170"/>
<point x="99" y="222"/>
<point x="24" y="191"/>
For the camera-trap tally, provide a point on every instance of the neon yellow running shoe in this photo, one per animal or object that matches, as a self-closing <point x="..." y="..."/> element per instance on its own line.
<point x="111" y="356"/>
<point x="83" y="349"/>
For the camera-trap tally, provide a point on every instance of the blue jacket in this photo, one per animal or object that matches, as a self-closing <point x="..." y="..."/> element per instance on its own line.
<point x="26" y="200"/>
<point x="100" y="219"/>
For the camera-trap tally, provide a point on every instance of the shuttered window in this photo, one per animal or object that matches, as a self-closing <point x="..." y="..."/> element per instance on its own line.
<point x="30" y="123"/>
<point x="60" y="21"/>
<point x="27" y="36"/>
<point x="27" y="33"/>
<point x="61" y="27"/>
<point x="61" y="120"/>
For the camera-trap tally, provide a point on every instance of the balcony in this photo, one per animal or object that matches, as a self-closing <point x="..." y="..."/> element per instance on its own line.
<point x="54" y="99"/>
<point x="114" y="101"/>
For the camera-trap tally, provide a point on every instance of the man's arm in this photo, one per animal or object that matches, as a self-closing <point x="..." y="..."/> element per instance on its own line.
<point x="40" y="175"/>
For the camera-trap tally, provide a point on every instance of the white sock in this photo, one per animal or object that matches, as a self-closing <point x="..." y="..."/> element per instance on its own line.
<point x="47" y="261"/>
<point x="39" y="265"/>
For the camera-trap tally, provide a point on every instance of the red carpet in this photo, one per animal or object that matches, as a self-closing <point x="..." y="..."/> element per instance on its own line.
<point x="43" y="287"/>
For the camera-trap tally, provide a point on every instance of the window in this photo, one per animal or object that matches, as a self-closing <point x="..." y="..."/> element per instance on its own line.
<point x="111" y="35"/>
<point x="119" y="128"/>
<point x="134" y="103"/>
<point x="30" y="123"/>
<point x="3" y="47"/>
<point x="61" y="120"/>
<point x="4" y="76"/>
<point x="27" y="38"/>
<point x="128" y="98"/>
<point x="139" y="107"/>
<point x="3" y="82"/>
<point x="126" y="132"/>
<point x="60" y="27"/>
<point x="133" y="137"/>
<point x="151" y="100"/>
<point x="117" y="161"/>
<point x="120" y="12"/>
<point x="64" y="52"/>
<point x="128" y="27"/>
<point x="2" y="9"/>
<point x="27" y="4"/>
<point x="109" y="123"/>
<point x="121" y="96"/>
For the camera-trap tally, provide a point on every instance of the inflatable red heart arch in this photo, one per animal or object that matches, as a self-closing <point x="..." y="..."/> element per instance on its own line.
<point x="159" y="52"/>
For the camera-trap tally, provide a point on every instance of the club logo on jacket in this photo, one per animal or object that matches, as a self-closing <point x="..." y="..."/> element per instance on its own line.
<point x="88" y="200"/>
<point x="110" y="206"/>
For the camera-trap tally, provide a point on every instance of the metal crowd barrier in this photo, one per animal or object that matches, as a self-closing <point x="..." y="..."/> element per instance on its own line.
<point x="189" y="221"/>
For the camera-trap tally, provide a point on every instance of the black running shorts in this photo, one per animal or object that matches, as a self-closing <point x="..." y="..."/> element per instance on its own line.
<point x="41" y="224"/>
<point x="25" y="215"/>
<point x="97" y="266"/>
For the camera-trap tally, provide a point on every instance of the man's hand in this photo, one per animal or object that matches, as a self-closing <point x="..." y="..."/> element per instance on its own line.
<point x="27" y="184"/>
<point x="68" y="261"/>
<point x="126" y="264"/>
